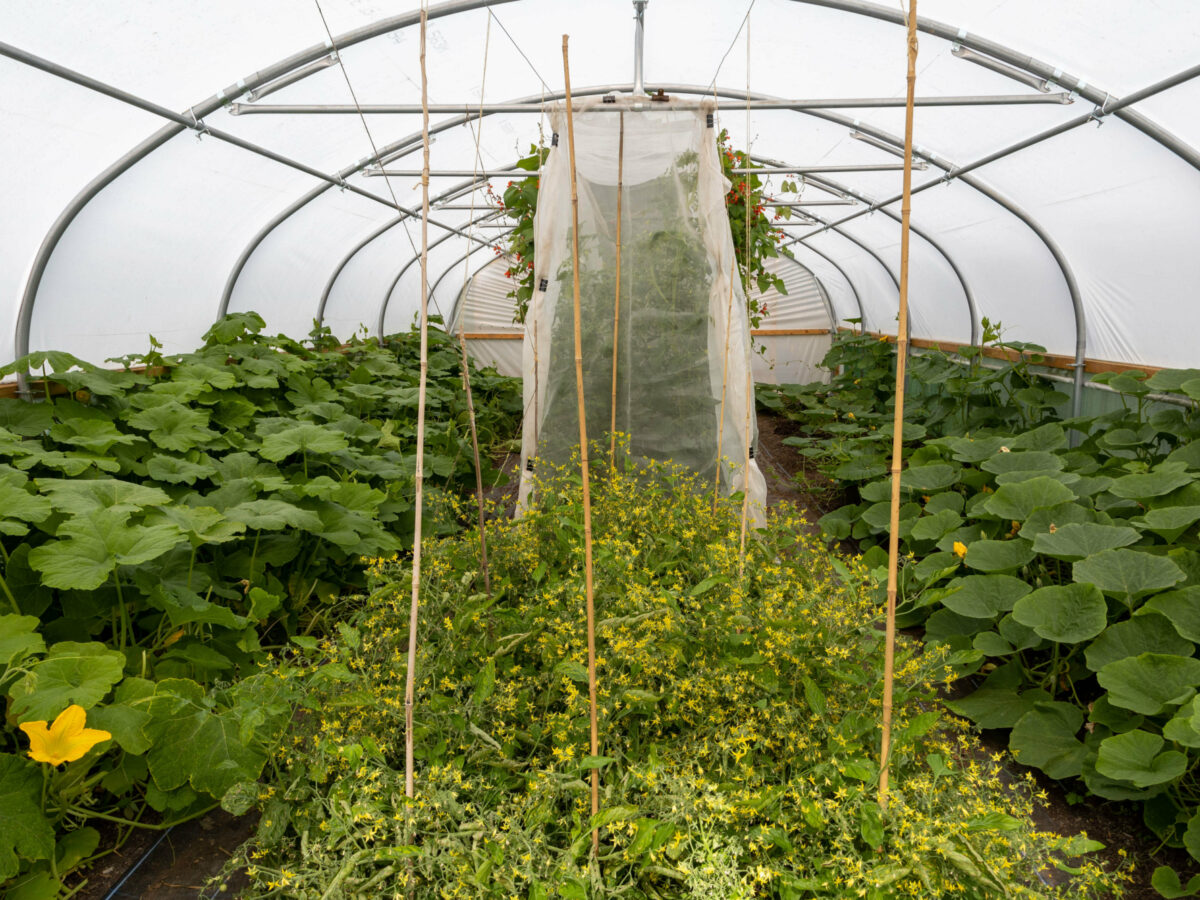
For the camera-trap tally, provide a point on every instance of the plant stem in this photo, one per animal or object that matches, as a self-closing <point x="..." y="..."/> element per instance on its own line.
<point x="132" y="823"/>
<point x="126" y="624"/>
<point x="8" y="593"/>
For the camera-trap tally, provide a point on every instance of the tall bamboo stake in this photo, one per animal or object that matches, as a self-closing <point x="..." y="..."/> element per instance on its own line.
<point x="466" y="378"/>
<point x="724" y="383"/>
<point x="746" y="472"/>
<point x="411" y="667"/>
<point x="889" y="656"/>
<point x="583" y="455"/>
<point x="462" y="346"/>
<point x="612" y="430"/>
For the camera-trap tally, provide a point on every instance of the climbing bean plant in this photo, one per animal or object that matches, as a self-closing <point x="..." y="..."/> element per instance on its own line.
<point x="754" y="237"/>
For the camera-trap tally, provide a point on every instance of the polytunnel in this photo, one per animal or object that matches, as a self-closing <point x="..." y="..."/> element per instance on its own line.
<point x="198" y="161"/>
<point x="657" y="449"/>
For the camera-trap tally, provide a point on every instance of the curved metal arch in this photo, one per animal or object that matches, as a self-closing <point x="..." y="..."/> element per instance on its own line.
<point x="470" y="278"/>
<point x="972" y="311"/>
<point x="281" y="217"/>
<point x="440" y="126"/>
<point x="454" y="192"/>
<point x="602" y="90"/>
<point x="42" y="258"/>
<point x="311" y="54"/>
<point x="820" y="287"/>
<point x="404" y="143"/>
<point x="795" y="262"/>
<point x="1089" y="92"/>
<point x="408" y="265"/>
<point x="993" y="195"/>
<point x="450" y="268"/>
<point x="936" y="159"/>
<point x="862" y="314"/>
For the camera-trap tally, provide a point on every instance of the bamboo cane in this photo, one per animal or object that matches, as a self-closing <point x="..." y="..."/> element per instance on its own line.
<point x="612" y="430"/>
<point x="583" y="454"/>
<point x="746" y="473"/>
<point x="462" y="346"/>
<point x="724" y="383"/>
<point x="411" y="667"/>
<point x="898" y="419"/>
<point x="466" y="378"/>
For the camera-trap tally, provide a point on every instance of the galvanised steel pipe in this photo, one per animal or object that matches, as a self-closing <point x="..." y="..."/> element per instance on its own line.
<point x="639" y="47"/>
<point x="1089" y="92"/>
<point x="972" y="312"/>
<point x="538" y="107"/>
<point x="522" y="173"/>
<point x="387" y="297"/>
<point x="454" y="192"/>
<point x="198" y="112"/>
<point x="862" y="313"/>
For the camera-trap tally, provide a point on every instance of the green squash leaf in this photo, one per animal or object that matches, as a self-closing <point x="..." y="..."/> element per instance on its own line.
<point x="1137" y="757"/>
<point x="1127" y="573"/>
<point x="18" y="639"/>
<point x="25" y="832"/>
<point x="1046" y="437"/>
<point x="174" y="470"/>
<point x="1169" y="521"/>
<point x="933" y="477"/>
<point x="1045" y="738"/>
<point x="273" y="515"/>
<point x="1017" y="501"/>
<point x="1182" y="607"/>
<point x="984" y="596"/>
<point x="70" y="673"/>
<point x="1078" y="541"/>
<point x="930" y="528"/>
<point x="173" y="426"/>
<point x="998" y="556"/>
<point x="193" y="744"/>
<point x="1022" y="461"/>
<point x="1067" y="613"/>
<point x="1165" y="478"/>
<point x="1149" y="683"/>
<point x="91" y="546"/>
<point x="79" y="497"/>
<point x="302" y="437"/>
<point x="1144" y="633"/>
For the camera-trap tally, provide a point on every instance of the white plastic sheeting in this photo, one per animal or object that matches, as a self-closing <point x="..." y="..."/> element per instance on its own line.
<point x="1109" y="210"/>
<point x="664" y="347"/>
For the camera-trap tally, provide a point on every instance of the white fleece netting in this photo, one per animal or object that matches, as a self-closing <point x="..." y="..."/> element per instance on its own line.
<point x="683" y="380"/>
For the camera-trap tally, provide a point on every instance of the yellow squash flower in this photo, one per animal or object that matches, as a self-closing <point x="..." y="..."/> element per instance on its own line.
<point x="960" y="549"/>
<point x="64" y="741"/>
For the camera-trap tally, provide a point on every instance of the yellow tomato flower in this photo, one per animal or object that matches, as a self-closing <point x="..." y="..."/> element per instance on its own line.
<point x="64" y="741"/>
<point x="960" y="549"/>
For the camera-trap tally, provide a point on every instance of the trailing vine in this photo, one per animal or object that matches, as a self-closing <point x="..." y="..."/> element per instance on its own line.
<point x="744" y="203"/>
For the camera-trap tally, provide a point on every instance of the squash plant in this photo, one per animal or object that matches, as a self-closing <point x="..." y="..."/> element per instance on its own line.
<point x="1072" y="572"/>
<point x="166" y="531"/>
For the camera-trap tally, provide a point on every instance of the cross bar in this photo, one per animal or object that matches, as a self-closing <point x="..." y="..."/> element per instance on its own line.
<point x="413" y="109"/>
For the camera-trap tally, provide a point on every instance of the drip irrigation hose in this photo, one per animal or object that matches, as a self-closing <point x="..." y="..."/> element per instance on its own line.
<point x="114" y="891"/>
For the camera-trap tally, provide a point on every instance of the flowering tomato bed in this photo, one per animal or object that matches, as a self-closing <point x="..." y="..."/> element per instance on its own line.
<point x="738" y="721"/>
